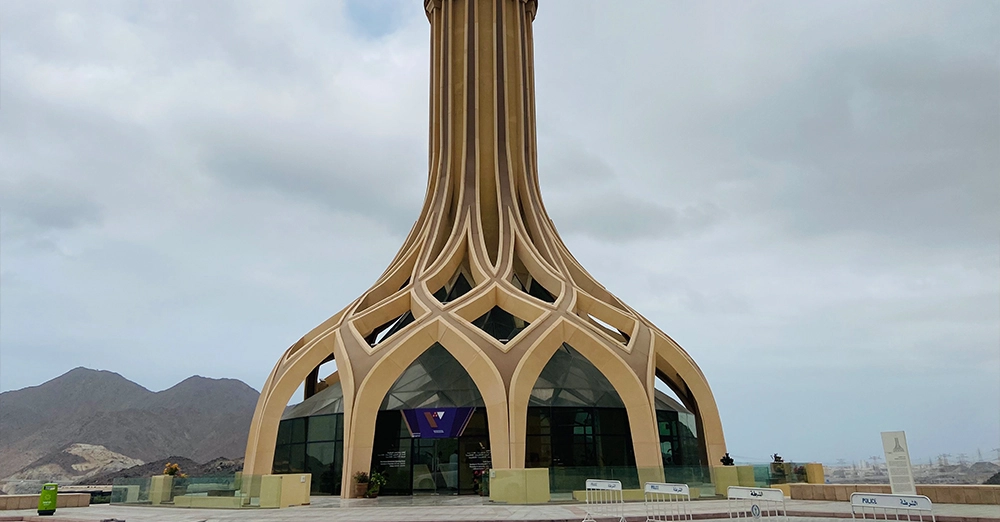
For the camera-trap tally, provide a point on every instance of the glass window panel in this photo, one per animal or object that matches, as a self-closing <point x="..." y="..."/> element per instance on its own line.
<point x="281" y="459"/>
<point x="460" y="288"/>
<point x="478" y="425"/>
<point x="613" y="421"/>
<point x="297" y="458"/>
<point x="284" y="432"/>
<point x="298" y="428"/>
<point x="326" y="401"/>
<point x="569" y="379"/>
<point x="612" y="450"/>
<point x="323" y="427"/>
<point x="665" y="402"/>
<point x="435" y="379"/>
<point x="322" y="463"/>
<point x="500" y="324"/>
<point x="539" y="291"/>
<point x="538" y="452"/>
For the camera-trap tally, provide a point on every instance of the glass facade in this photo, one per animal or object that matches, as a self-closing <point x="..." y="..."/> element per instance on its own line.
<point x="576" y="425"/>
<point x="415" y="464"/>
<point x="311" y="440"/>
<point x="501" y="324"/>
<point x="312" y="445"/>
<point x="457" y="288"/>
<point x="576" y="418"/>
<point x="678" y="433"/>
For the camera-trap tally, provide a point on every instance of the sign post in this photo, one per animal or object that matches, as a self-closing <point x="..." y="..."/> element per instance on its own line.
<point x="897" y="463"/>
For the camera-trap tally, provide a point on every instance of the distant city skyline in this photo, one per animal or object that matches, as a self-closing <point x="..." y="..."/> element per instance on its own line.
<point x="816" y="182"/>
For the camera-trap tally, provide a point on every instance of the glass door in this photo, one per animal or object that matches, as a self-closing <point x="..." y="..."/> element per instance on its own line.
<point x="435" y="466"/>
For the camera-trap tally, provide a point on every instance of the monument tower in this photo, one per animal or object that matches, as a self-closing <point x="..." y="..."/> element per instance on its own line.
<point x="483" y="317"/>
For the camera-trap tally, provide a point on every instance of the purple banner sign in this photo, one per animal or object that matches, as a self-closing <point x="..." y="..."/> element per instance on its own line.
<point x="437" y="423"/>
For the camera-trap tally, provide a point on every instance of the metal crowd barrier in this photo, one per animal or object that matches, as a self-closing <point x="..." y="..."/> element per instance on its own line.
<point x="667" y="502"/>
<point x="756" y="502"/>
<point x="604" y="499"/>
<point x="882" y="504"/>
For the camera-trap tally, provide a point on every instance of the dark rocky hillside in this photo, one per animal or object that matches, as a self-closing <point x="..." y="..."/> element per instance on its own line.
<point x="215" y="467"/>
<point x="198" y="418"/>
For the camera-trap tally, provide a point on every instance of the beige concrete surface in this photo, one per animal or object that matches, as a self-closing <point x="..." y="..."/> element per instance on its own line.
<point x="63" y="500"/>
<point x="938" y="493"/>
<point x="520" y="486"/>
<point x="723" y="477"/>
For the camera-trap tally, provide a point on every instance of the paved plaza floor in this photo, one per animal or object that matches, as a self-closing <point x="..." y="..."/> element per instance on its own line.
<point x="457" y="509"/>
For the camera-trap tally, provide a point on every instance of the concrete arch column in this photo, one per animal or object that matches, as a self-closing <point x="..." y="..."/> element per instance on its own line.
<point x="687" y="380"/>
<point x="284" y="380"/>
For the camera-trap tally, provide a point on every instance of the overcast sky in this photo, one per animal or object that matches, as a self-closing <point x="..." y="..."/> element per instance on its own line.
<point x="805" y="195"/>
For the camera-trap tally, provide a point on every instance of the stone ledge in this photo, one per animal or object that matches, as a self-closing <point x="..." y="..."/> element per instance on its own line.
<point x="63" y="500"/>
<point x="198" y="501"/>
<point x="938" y="493"/>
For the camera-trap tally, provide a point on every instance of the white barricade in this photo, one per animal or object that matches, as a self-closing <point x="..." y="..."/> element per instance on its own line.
<point x="604" y="499"/>
<point x="756" y="502"/>
<point x="667" y="502"/>
<point x="882" y="504"/>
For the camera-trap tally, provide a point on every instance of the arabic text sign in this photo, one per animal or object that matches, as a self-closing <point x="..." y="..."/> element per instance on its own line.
<point x="437" y="423"/>
<point x="884" y="501"/>
<point x="772" y="494"/>
<point x="667" y="489"/>
<point x="604" y="484"/>
<point x="897" y="461"/>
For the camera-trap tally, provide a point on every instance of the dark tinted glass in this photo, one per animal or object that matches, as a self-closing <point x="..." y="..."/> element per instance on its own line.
<point x="298" y="430"/>
<point x="323" y="427"/>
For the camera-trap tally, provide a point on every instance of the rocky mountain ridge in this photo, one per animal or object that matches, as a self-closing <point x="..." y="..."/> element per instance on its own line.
<point x="200" y="418"/>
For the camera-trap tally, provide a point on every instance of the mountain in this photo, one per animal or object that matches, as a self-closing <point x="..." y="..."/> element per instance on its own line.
<point x="73" y="463"/>
<point x="214" y="468"/>
<point x="199" y="418"/>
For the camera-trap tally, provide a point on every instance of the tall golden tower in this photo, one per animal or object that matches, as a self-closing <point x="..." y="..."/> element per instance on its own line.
<point x="484" y="275"/>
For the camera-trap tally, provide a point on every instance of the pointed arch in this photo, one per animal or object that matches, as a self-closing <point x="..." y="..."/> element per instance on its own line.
<point x="630" y="388"/>
<point x="684" y="377"/>
<point x="380" y="378"/>
<point x="285" y="378"/>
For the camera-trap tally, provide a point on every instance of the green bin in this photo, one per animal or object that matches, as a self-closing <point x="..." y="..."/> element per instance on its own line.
<point x="47" y="499"/>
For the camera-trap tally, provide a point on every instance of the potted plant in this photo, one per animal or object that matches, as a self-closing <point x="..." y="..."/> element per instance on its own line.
<point x="360" y="484"/>
<point x="480" y="482"/>
<point x="178" y="484"/>
<point x="375" y="483"/>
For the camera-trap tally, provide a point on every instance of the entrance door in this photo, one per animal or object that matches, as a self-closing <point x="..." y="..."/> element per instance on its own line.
<point x="435" y="466"/>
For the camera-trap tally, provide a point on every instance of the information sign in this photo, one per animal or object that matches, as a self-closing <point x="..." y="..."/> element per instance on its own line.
<point x="897" y="462"/>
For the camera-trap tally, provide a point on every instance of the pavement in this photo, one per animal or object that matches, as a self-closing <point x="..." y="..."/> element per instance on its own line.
<point x="456" y="509"/>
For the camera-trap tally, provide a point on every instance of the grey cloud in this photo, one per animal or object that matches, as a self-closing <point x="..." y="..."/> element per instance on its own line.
<point x="854" y="118"/>
<point x="339" y="179"/>
<point x="893" y="144"/>
<point x="567" y="165"/>
<point x="44" y="205"/>
<point x="619" y="217"/>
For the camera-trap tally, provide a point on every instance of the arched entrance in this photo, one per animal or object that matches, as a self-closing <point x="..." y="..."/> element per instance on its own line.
<point x="432" y="431"/>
